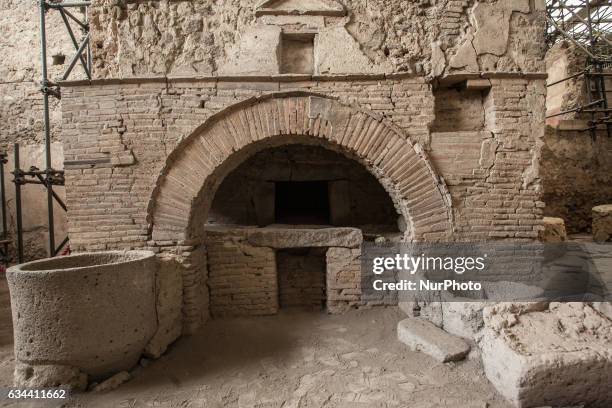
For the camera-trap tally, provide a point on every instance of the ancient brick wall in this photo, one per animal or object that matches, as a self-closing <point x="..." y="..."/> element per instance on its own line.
<point x="245" y="275"/>
<point x="502" y="197"/>
<point x="105" y="122"/>
<point x="119" y="135"/>
<point x="241" y="277"/>
<point x="124" y="132"/>
<point x="301" y="278"/>
<point x="174" y="38"/>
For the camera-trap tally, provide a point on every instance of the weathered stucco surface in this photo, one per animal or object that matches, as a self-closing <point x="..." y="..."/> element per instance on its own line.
<point x="425" y="37"/>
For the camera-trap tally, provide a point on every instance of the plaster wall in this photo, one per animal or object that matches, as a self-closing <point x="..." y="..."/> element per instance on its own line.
<point x="433" y="38"/>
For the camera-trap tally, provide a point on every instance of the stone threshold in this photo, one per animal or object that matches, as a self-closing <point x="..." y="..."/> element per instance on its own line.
<point x="448" y="79"/>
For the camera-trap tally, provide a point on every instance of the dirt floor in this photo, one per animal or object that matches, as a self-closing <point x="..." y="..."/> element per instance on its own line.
<point x="293" y="360"/>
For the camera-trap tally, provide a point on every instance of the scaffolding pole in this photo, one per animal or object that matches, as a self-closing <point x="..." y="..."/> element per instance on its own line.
<point x="50" y="177"/>
<point x="4" y="239"/>
<point x="588" y="25"/>
<point x="47" y="132"/>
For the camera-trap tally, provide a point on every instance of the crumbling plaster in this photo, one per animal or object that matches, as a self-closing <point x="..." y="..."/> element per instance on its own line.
<point x="434" y="38"/>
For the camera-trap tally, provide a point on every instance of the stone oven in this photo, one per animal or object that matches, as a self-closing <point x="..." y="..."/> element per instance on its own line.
<point x="285" y="229"/>
<point x="295" y="149"/>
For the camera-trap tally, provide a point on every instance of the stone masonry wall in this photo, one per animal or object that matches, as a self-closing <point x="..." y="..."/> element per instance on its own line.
<point x="565" y="59"/>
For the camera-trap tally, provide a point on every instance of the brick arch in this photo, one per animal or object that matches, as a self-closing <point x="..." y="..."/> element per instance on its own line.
<point x="184" y="190"/>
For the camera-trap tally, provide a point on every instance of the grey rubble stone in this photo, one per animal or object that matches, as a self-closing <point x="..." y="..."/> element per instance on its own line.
<point x="421" y="335"/>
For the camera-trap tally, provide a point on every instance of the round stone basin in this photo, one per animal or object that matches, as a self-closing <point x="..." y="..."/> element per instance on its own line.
<point x="93" y="311"/>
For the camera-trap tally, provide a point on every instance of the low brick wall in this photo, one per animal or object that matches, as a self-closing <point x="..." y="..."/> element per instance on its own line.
<point x="242" y="267"/>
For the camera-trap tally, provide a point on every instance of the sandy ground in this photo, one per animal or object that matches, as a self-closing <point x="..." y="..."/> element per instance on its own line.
<point x="293" y="360"/>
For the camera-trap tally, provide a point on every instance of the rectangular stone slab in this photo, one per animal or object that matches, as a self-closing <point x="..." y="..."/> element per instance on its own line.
<point x="422" y="335"/>
<point x="274" y="237"/>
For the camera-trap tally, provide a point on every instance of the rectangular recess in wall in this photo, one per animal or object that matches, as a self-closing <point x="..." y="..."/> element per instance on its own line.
<point x="297" y="54"/>
<point x="301" y="277"/>
<point x="302" y="202"/>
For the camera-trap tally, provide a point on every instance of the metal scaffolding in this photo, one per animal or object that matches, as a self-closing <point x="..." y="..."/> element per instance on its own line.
<point x="49" y="177"/>
<point x="588" y="25"/>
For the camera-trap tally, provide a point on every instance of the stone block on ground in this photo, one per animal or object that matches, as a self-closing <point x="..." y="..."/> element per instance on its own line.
<point x="422" y="335"/>
<point x="112" y="382"/>
<point x="554" y="230"/>
<point x="602" y="223"/>
<point x="558" y="355"/>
